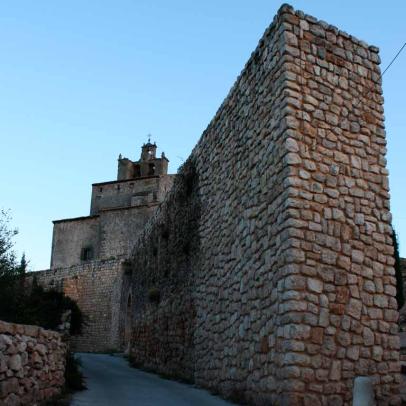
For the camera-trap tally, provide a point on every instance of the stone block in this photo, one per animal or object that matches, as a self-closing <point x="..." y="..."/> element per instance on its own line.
<point x="354" y="308"/>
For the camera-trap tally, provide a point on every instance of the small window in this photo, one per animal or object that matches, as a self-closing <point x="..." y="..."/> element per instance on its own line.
<point x="86" y="254"/>
<point x="101" y="190"/>
<point x="118" y="187"/>
<point x="151" y="169"/>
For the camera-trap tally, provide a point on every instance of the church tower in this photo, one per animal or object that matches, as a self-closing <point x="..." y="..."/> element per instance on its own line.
<point x="147" y="165"/>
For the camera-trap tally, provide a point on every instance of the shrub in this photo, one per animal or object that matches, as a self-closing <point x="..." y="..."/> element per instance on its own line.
<point x="46" y="307"/>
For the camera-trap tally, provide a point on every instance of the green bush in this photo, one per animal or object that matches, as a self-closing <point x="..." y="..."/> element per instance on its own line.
<point x="45" y="308"/>
<point x="37" y="306"/>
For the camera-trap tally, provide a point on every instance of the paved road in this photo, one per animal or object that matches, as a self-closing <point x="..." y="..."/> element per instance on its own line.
<point x="111" y="382"/>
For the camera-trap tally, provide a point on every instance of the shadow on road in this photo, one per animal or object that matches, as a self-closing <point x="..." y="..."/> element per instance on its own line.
<point x="112" y="382"/>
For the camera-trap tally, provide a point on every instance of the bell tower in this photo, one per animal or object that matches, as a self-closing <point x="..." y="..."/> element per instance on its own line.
<point x="148" y="165"/>
<point x="148" y="151"/>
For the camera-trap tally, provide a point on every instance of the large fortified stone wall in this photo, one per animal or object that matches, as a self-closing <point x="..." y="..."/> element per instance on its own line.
<point x="161" y="271"/>
<point x="96" y="287"/>
<point x="267" y="274"/>
<point x="32" y="364"/>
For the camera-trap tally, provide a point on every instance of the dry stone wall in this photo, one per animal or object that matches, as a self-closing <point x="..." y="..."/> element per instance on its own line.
<point x="160" y="285"/>
<point x="341" y="242"/>
<point x="267" y="274"/>
<point x="96" y="287"/>
<point x="32" y="364"/>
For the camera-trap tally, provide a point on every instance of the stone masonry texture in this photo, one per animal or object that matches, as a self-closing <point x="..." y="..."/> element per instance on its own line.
<point x="267" y="273"/>
<point x="32" y="364"/>
<point x="96" y="288"/>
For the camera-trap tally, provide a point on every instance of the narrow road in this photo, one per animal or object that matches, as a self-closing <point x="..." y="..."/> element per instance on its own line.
<point x="112" y="382"/>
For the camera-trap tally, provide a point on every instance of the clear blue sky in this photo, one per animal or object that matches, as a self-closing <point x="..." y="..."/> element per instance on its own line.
<point x="82" y="81"/>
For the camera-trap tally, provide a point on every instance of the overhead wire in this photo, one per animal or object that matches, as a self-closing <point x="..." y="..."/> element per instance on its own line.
<point x="385" y="70"/>
<point x="394" y="59"/>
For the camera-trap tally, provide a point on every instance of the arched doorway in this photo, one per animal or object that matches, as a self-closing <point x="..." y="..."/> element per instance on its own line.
<point x="127" y="327"/>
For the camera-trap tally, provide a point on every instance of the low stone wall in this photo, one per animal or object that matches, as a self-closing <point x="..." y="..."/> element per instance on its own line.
<point x="32" y="364"/>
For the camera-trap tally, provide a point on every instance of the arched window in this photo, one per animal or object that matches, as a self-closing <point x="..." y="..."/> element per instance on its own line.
<point x="151" y="169"/>
<point x="137" y="171"/>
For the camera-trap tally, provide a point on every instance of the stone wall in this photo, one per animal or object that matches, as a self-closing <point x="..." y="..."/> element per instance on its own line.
<point x="96" y="287"/>
<point x="32" y="364"/>
<point x="96" y="284"/>
<point x="157" y="293"/>
<point x="267" y="273"/>
<point x="340" y="233"/>
<point x="119" y="228"/>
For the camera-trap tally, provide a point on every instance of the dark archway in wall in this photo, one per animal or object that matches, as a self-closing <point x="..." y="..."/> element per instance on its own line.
<point x="128" y="324"/>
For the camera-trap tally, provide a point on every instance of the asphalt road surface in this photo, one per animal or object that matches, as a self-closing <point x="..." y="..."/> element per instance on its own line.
<point x="112" y="382"/>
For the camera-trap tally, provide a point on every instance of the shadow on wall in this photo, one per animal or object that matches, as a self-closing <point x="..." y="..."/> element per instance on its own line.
<point x="160" y="282"/>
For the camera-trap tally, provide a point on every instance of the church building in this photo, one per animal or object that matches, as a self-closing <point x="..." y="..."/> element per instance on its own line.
<point x="90" y="254"/>
<point x="119" y="209"/>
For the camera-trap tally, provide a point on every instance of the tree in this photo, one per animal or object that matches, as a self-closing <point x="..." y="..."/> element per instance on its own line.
<point x="22" y="268"/>
<point x="34" y="305"/>
<point x="398" y="273"/>
<point x="8" y="271"/>
<point x="7" y="255"/>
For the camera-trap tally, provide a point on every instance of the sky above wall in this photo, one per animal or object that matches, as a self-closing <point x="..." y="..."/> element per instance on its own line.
<point x="83" y="81"/>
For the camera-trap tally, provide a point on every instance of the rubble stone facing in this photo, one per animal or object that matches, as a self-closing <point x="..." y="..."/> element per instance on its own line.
<point x="96" y="288"/>
<point x="32" y="364"/>
<point x="275" y="271"/>
<point x="339" y="202"/>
